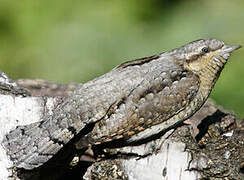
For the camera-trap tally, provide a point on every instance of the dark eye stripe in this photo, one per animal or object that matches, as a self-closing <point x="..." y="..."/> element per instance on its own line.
<point x="194" y="57"/>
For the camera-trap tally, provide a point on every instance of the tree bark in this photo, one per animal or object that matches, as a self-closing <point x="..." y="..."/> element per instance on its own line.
<point x="209" y="145"/>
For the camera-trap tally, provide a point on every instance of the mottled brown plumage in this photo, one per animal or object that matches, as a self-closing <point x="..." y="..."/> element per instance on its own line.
<point x="133" y="101"/>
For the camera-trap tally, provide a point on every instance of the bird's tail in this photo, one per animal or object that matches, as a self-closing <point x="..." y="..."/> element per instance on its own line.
<point x="32" y="145"/>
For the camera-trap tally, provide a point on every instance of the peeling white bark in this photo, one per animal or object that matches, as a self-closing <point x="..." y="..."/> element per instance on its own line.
<point x="171" y="162"/>
<point x="163" y="159"/>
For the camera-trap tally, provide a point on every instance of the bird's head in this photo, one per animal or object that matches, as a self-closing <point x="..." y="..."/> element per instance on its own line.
<point x="204" y="57"/>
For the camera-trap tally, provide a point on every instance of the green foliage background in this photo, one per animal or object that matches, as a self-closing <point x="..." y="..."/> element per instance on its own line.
<point x="78" y="40"/>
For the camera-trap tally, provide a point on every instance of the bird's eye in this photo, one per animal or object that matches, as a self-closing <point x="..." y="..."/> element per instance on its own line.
<point x="205" y="49"/>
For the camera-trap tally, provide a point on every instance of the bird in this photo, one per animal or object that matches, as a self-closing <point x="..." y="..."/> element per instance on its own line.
<point x="135" y="100"/>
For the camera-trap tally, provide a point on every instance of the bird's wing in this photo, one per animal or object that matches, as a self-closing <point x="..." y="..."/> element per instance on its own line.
<point x="154" y="101"/>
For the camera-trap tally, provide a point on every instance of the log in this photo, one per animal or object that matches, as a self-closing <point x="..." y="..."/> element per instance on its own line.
<point x="209" y="145"/>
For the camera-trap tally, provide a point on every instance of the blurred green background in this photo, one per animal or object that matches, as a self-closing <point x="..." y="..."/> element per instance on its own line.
<point x="77" y="40"/>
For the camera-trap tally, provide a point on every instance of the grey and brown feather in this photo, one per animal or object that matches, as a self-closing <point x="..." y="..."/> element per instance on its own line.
<point x="133" y="101"/>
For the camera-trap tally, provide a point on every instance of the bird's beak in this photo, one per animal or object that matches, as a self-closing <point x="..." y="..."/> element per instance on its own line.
<point x="229" y="49"/>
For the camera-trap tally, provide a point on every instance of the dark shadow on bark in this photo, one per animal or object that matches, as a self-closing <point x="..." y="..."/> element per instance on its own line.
<point x="206" y="122"/>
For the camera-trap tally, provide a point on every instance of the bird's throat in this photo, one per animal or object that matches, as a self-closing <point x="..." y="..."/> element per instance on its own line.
<point x="209" y="75"/>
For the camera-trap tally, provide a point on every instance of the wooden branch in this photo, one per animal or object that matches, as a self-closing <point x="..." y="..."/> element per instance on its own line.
<point x="211" y="147"/>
